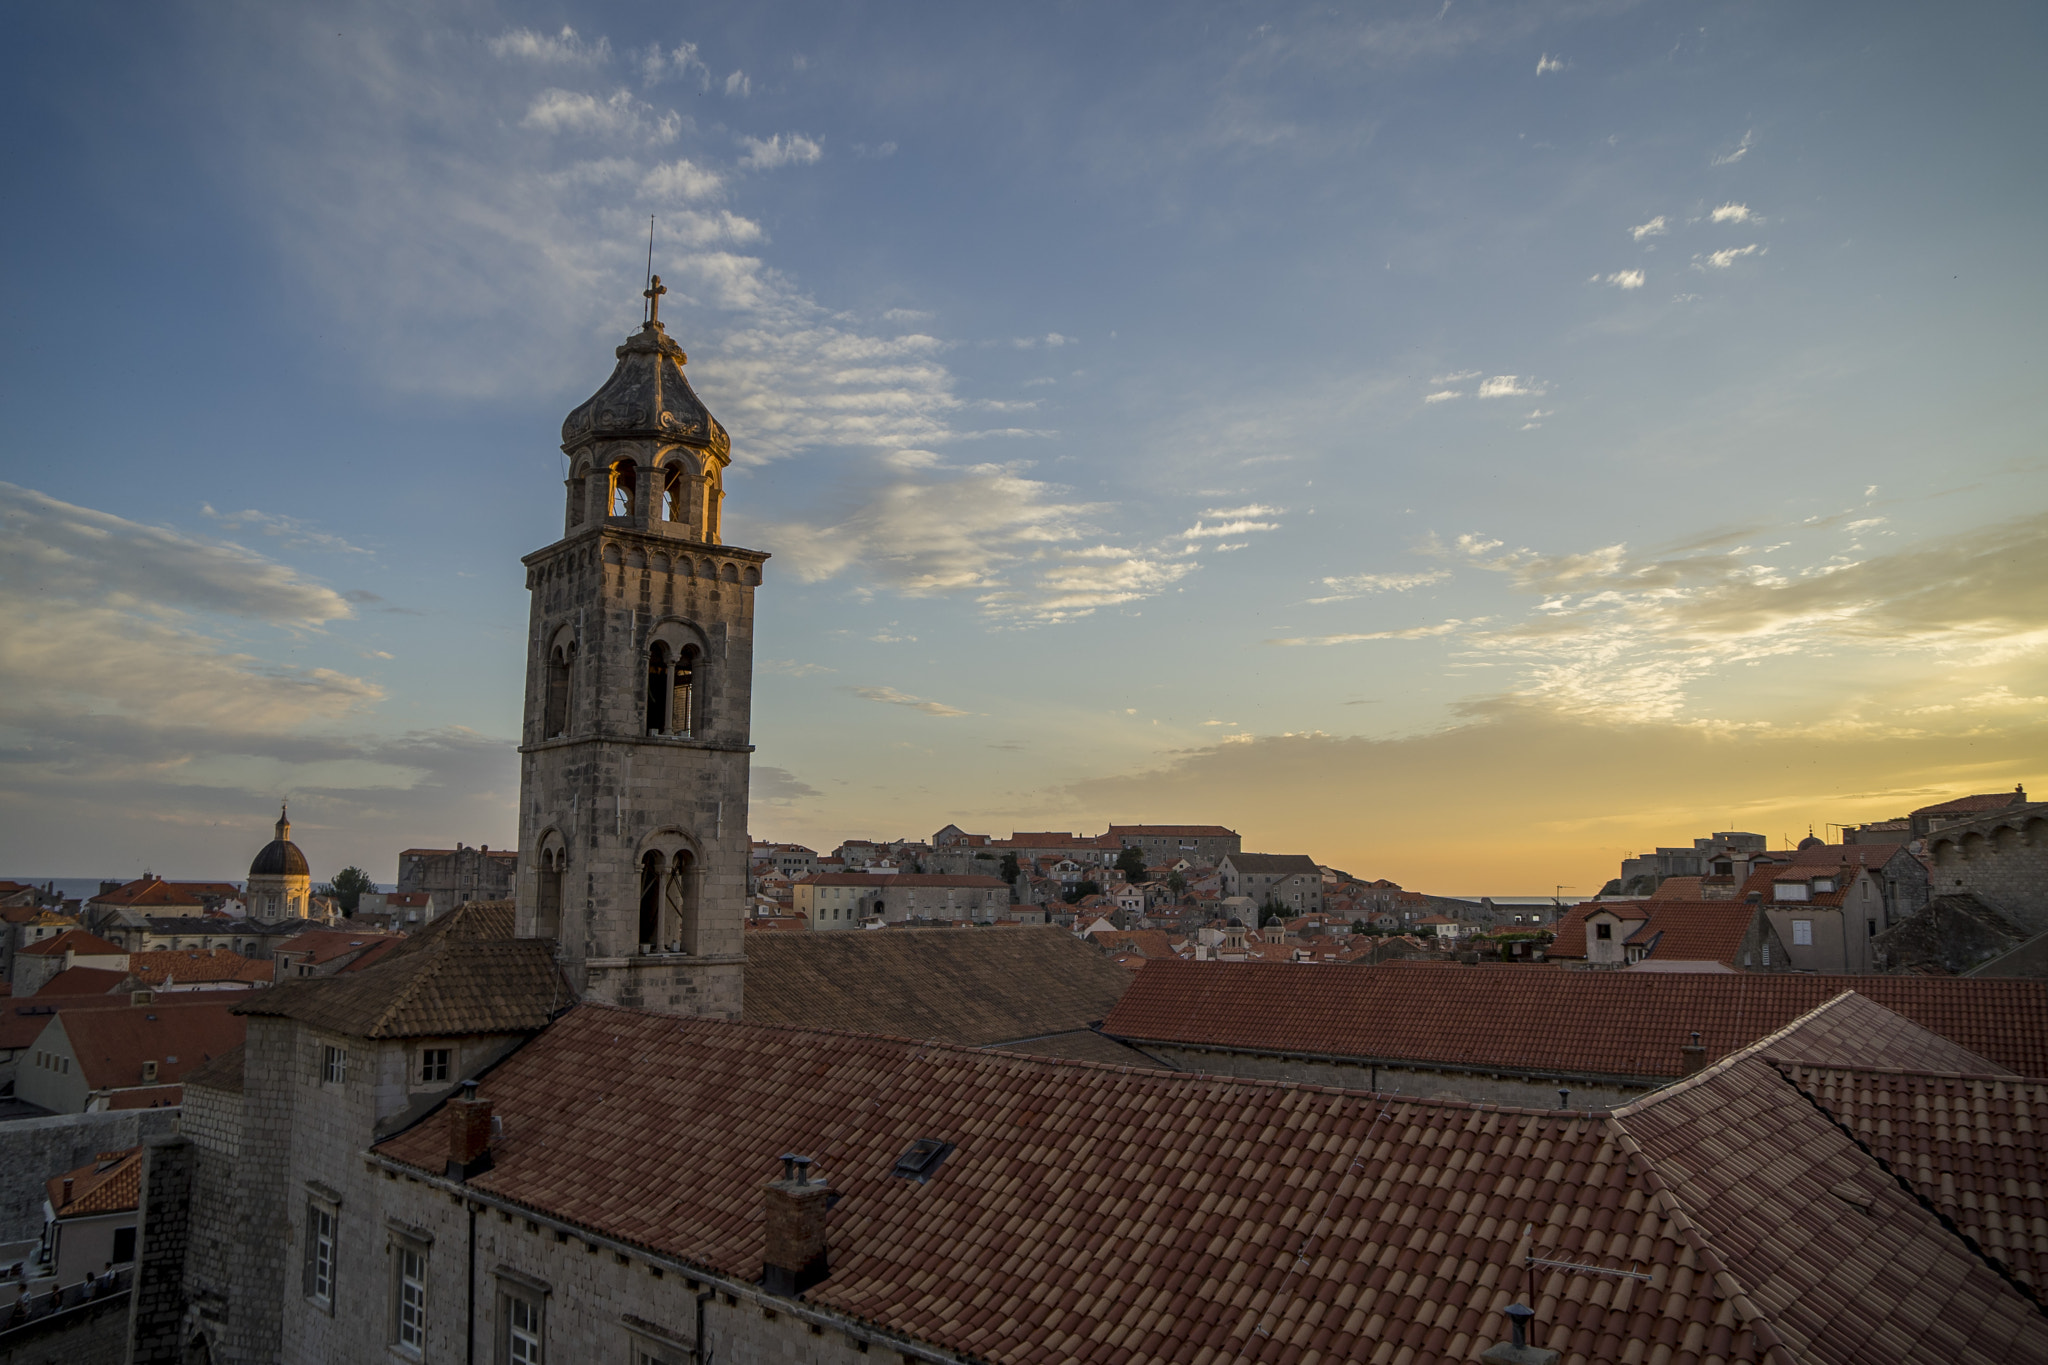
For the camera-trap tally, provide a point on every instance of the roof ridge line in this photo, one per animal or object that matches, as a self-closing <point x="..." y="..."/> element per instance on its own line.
<point x="1706" y="1073"/>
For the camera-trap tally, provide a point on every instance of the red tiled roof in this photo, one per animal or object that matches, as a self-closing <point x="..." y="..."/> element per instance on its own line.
<point x="1100" y="1213"/>
<point x="111" y="1045"/>
<point x="1679" y="889"/>
<point x="1973" y="1147"/>
<point x="23" y="1020"/>
<point x="375" y="953"/>
<point x="1856" y="855"/>
<point x="1703" y="931"/>
<point x="188" y="965"/>
<point x="109" y="1183"/>
<point x="318" y="946"/>
<point x="1966" y="804"/>
<point x="82" y="981"/>
<point x="1616" y="1024"/>
<point x="145" y="892"/>
<point x="78" y="940"/>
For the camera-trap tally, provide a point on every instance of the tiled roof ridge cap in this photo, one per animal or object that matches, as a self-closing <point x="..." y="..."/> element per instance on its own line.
<point x="1125" y="1069"/>
<point x="1665" y="1199"/>
<point x="2004" y="1078"/>
<point x="1707" y="1073"/>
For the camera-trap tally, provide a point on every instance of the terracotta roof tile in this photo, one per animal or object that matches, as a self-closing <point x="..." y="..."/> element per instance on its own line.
<point x="73" y="940"/>
<point x="970" y="986"/>
<point x="82" y="981"/>
<point x="109" y="1183"/>
<point x="188" y="965"/>
<point x="445" y="986"/>
<point x="111" y="1045"/>
<point x="1973" y="1147"/>
<point x="320" y="946"/>
<point x="1101" y="1213"/>
<point x="1616" y="1024"/>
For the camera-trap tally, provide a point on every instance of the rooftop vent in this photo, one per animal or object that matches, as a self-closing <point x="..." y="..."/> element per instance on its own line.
<point x="921" y="1162"/>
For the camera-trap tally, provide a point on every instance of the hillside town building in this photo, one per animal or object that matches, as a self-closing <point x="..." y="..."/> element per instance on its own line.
<point x="454" y="876"/>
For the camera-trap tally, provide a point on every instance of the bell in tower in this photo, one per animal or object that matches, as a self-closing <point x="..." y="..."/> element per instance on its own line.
<point x="639" y="686"/>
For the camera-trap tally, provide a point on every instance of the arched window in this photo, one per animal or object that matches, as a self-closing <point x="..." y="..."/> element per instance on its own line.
<point x="682" y="716"/>
<point x="549" y="910"/>
<point x="625" y="484"/>
<point x="673" y="508"/>
<point x="650" y="901"/>
<point x="671" y="690"/>
<point x="561" y="665"/>
<point x="679" y="906"/>
<point x="657" y="689"/>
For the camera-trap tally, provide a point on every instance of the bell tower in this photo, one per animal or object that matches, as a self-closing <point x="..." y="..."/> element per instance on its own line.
<point x="639" y="687"/>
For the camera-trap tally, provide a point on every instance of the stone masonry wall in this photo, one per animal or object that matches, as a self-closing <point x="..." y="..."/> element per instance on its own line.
<point x="2005" y="865"/>
<point x="600" y="1302"/>
<point x="33" y="1150"/>
<point x="609" y="790"/>
<point x="156" y="1312"/>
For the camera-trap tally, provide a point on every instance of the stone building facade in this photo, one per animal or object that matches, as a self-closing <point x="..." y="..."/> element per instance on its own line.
<point x="2001" y="857"/>
<point x="634" y="752"/>
<point x="455" y="876"/>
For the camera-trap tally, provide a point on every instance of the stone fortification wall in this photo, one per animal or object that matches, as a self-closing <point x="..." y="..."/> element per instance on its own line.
<point x="33" y="1150"/>
<point x="2003" y="858"/>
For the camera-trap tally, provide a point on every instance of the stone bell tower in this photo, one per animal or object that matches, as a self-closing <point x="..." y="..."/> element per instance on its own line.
<point x="639" y="686"/>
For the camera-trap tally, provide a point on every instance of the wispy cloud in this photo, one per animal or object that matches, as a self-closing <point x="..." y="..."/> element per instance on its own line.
<point x="1233" y="521"/>
<point x="741" y="85"/>
<point x="1511" y="386"/>
<point x="1457" y="377"/>
<point x="291" y="530"/>
<point x="891" y="697"/>
<point x="1547" y="64"/>
<point x="1624" y="279"/>
<point x="1741" y="150"/>
<point x="1732" y="213"/>
<point x="783" y="149"/>
<point x="1656" y="227"/>
<point x="1443" y="395"/>
<point x="1346" y="589"/>
<point x="1412" y="633"/>
<point x="1051" y="340"/>
<point x="682" y="180"/>
<point x="562" y="49"/>
<point x="621" y="114"/>
<point x="1727" y="256"/>
<point x="778" y="786"/>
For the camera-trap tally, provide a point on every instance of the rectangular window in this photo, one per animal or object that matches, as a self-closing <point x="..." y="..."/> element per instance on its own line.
<point x="433" y="1064"/>
<point x="320" y="1253"/>
<point x="524" y="1337"/>
<point x="1802" y="933"/>
<point x="1767" y="955"/>
<point x="1603" y="931"/>
<point x="409" y="1313"/>
<point x="334" y="1065"/>
<point x="124" y="1245"/>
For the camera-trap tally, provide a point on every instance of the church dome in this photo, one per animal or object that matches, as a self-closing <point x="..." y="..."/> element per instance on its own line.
<point x="647" y="398"/>
<point x="280" y="857"/>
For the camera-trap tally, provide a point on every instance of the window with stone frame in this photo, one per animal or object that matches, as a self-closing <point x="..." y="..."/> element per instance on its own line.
<point x="334" y="1065"/>
<point x="409" y="1295"/>
<point x="434" y="1065"/>
<point x="323" y="1219"/>
<point x="522" y="1320"/>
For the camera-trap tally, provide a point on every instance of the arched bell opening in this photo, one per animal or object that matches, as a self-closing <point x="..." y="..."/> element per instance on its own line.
<point x="625" y="487"/>
<point x="554" y="863"/>
<point x="651" y="869"/>
<point x="671" y="698"/>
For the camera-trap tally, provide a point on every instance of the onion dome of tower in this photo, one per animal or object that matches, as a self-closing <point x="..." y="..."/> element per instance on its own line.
<point x="281" y="857"/>
<point x="647" y="398"/>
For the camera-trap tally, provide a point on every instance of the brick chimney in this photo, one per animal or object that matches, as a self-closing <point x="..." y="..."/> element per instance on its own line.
<point x="1519" y="1351"/>
<point x="1692" y="1057"/>
<point x="794" y="1207"/>
<point x="469" y="1134"/>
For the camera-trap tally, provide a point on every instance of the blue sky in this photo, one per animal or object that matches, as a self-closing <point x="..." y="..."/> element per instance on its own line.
<point x="1463" y="442"/>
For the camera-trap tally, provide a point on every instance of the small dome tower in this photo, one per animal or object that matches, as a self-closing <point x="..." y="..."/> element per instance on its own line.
<point x="280" y="882"/>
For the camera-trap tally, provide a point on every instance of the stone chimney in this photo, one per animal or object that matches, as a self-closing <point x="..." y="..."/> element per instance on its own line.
<point x="469" y="1134"/>
<point x="794" y="1207"/>
<point x="1693" y="1057"/>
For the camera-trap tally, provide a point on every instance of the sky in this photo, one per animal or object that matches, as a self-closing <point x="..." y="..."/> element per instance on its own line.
<point x="1467" y="443"/>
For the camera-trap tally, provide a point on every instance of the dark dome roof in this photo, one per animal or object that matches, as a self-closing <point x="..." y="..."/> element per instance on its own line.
<point x="647" y="398"/>
<point x="280" y="858"/>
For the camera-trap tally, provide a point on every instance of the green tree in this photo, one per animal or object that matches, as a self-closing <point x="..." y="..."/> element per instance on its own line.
<point x="1176" y="884"/>
<point x="1010" y="869"/>
<point x="1358" y="926"/>
<point x="348" y="887"/>
<point x="1079" y="892"/>
<point x="1270" y="913"/>
<point x="1131" y="862"/>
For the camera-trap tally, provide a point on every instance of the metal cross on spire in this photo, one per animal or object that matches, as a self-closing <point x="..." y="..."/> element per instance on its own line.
<point x="652" y="293"/>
